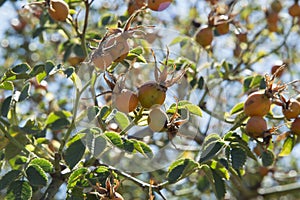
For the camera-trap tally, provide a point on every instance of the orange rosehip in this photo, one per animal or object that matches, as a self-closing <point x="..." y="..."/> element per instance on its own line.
<point x="151" y="93"/>
<point x="58" y="10"/>
<point x="256" y="126"/>
<point x="257" y="104"/>
<point x="291" y="109"/>
<point x="295" y="127"/>
<point x="159" y="5"/>
<point x="126" y="101"/>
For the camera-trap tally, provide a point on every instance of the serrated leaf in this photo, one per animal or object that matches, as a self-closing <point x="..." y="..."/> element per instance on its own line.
<point x="25" y="92"/>
<point x="237" y="108"/>
<point x="122" y="120"/>
<point x="287" y="146"/>
<point x="238" y="158"/>
<point x="143" y="148"/>
<point x="211" y="138"/>
<point x="8" y="178"/>
<point x="53" y="116"/>
<point x="36" y="175"/>
<point x="268" y="158"/>
<point x="114" y="138"/>
<point x="19" y="190"/>
<point x="76" y="176"/>
<point x="11" y="150"/>
<point x="74" y="153"/>
<point x="96" y="144"/>
<point x="43" y="163"/>
<point x="7" y="85"/>
<point x="181" y="169"/>
<point x="219" y="185"/>
<point x="220" y="169"/>
<point x="211" y="150"/>
<point x="128" y="146"/>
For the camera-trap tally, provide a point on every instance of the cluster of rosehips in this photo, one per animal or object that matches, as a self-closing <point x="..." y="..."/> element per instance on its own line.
<point x="219" y="20"/>
<point x="258" y="104"/>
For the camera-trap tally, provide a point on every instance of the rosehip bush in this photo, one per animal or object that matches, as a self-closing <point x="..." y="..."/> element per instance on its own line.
<point x="151" y="99"/>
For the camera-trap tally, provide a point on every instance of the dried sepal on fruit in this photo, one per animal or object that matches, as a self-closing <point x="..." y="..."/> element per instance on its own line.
<point x="290" y="108"/>
<point x="114" y="47"/>
<point x="154" y="92"/>
<point x="109" y="192"/>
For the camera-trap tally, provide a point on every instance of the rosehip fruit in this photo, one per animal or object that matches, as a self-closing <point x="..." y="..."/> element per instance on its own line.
<point x="118" y="48"/>
<point x="222" y="28"/>
<point x="58" y="10"/>
<point x="295" y="127"/>
<point x="151" y="93"/>
<point x="157" y="119"/>
<point x="291" y="109"/>
<point x="126" y="101"/>
<point x="256" y="126"/>
<point x="294" y="10"/>
<point x="204" y="36"/>
<point x="257" y="104"/>
<point x="159" y="5"/>
<point x="117" y="196"/>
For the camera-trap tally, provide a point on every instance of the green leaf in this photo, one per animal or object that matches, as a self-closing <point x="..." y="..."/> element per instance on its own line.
<point x="19" y="190"/>
<point x="76" y="176"/>
<point x="5" y="107"/>
<point x="211" y="138"/>
<point x="237" y="108"/>
<point x="181" y="169"/>
<point x="287" y="146"/>
<point x="96" y="144"/>
<point x="143" y="148"/>
<point x="122" y="120"/>
<point x="43" y="163"/>
<point x="69" y="71"/>
<point x="114" y="138"/>
<point x="11" y="149"/>
<point x="194" y="109"/>
<point x="58" y="120"/>
<point x="3" y="142"/>
<point x="21" y="68"/>
<point x="238" y="158"/>
<point x="36" y="175"/>
<point x="138" y="51"/>
<point x="211" y="150"/>
<point x="129" y="146"/>
<point x="93" y="112"/>
<point x="268" y="158"/>
<point x="220" y="169"/>
<point x="7" y="85"/>
<point x="25" y="92"/>
<point x="219" y="185"/>
<point x="49" y="66"/>
<point x="8" y="178"/>
<point x="74" y="153"/>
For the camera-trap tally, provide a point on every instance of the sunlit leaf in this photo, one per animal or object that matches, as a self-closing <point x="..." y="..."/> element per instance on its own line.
<point x="36" y="175"/>
<point x="287" y="146"/>
<point x="122" y="120"/>
<point x="19" y="190"/>
<point x="43" y="163"/>
<point x="180" y="169"/>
